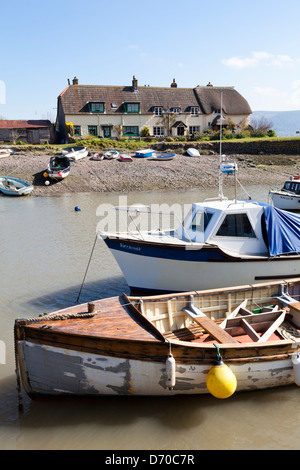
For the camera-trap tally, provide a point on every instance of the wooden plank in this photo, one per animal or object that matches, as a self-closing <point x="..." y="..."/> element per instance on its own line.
<point x="212" y="328"/>
<point x="234" y="313"/>
<point x="273" y="328"/>
<point x="295" y="306"/>
<point x="249" y="330"/>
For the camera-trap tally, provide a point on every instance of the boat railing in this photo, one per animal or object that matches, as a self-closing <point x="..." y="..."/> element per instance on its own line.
<point x="148" y="210"/>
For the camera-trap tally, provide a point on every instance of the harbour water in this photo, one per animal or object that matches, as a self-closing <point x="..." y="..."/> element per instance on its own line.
<point x="45" y="248"/>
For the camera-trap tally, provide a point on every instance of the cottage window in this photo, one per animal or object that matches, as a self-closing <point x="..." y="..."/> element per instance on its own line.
<point x="194" y="110"/>
<point x="236" y="225"/>
<point x="217" y="111"/>
<point x="77" y="130"/>
<point x="194" y="129"/>
<point x="132" y="107"/>
<point x="158" y="110"/>
<point x="175" y="110"/>
<point x="158" y="131"/>
<point x="97" y="107"/>
<point x="131" y="130"/>
<point x="92" y="130"/>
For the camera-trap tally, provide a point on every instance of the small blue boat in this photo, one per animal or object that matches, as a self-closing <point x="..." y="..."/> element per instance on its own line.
<point x="145" y="153"/>
<point x="11" y="186"/>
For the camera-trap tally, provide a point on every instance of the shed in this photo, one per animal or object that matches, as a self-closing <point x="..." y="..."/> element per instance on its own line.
<point x="31" y="131"/>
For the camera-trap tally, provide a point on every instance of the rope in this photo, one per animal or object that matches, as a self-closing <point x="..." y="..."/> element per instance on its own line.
<point x="87" y="268"/>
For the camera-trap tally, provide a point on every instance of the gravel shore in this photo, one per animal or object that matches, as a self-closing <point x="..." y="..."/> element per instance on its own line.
<point x="143" y="174"/>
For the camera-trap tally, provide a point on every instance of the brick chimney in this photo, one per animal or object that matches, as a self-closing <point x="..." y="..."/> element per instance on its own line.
<point x="174" y="84"/>
<point x="134" y="84"/>
<point x="75" y="81"/>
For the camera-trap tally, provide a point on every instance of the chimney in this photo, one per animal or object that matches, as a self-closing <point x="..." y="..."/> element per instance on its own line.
<point x="174" y="84"/>
<point x="134" y="84"/>
<point x="209" y="84"/>
<point x="75" y="81"/>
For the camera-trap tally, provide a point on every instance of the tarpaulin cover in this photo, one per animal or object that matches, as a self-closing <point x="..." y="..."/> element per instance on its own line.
<point x="283" y="231"/>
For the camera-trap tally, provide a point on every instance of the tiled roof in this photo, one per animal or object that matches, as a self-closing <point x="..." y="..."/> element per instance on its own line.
<point x="75" y="99"/>
<point x="32" y="124"/>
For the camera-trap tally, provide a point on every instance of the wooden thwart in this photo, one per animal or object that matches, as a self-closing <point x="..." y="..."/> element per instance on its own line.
<point x="209" y="325"/>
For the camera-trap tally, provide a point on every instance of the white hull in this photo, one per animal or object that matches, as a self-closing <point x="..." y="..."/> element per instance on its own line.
<point x="57" y="371"/>
<point x="285" y="201"/>
<point x="171" y="275"/>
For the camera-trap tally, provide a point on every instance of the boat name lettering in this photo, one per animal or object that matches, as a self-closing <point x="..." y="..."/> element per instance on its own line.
<point x="130" y="247"/>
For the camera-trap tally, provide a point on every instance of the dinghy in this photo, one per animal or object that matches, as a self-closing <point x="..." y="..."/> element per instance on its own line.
<point x="145" y="153"/>
<point x="11" y="186"/>
<point x="125" y="158"/>
<point x="75" y="153"/>
<point x="58" y="167"/>
<point x="111" y="154"/>
<point x="193" y="152"/>
<point x="161" y="156"/>
<point x="165" y="345"/>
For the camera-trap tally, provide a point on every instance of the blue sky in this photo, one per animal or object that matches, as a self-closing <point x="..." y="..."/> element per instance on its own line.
<point x="253" y="46"/>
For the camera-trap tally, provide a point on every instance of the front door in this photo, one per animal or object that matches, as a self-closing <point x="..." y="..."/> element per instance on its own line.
<point x="180" y="130"/>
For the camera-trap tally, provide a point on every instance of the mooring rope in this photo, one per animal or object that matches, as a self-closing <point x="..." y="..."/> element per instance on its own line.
<point x="87" y="268"/>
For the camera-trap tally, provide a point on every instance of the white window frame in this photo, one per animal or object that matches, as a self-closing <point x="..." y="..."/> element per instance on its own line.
<point x="193" y="129"/>
<point x="158" y="131"/>
<point x="158" y="110"/>
<point x="194" y="110"/>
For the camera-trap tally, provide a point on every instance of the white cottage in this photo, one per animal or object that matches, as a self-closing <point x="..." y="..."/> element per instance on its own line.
<point x="116" y="111"/>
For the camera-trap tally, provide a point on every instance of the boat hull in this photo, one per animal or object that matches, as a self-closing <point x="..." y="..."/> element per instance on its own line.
<point x="173" y="269"/>
<point x="49" y="370"/>
<point x="283" y="201"/>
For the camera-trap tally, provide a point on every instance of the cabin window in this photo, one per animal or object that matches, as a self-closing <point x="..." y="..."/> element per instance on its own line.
<point x="200" y="221"/>
<point x="97" y="107"/>
<point x="290" y="186"/>
<point x="132" y="107"/>
<point x="158" y="131"/>
<point x="92" y="130"/>
<point x="131" y="130"/>
<point x="236" y="225"/>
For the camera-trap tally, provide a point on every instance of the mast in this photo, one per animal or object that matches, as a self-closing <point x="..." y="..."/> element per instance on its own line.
<point x="221" y="196"/>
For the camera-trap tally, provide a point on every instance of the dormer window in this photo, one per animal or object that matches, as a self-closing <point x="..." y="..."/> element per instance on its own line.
<point x="158" y="110"/>
<point x="217" y="111"/>
<point x="97" y="107"/>
<point x="132" y="107"/>
<point x="194" y="110"/>
<point x="175" y="110"/>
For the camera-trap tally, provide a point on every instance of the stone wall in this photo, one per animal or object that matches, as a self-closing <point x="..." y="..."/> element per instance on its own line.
<point x="259" y="147"/>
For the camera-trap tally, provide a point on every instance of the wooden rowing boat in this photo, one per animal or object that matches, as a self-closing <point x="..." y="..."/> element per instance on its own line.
<point x="164" y="345"/>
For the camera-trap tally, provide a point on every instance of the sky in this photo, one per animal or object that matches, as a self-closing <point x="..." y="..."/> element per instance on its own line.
<point x="253" y="46"/>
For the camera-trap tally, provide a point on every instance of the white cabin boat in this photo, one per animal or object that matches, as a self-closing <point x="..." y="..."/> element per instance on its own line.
<point x="288" y="198"/>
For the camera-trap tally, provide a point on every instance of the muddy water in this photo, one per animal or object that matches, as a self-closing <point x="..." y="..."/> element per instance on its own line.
<point x="45" y="247"/>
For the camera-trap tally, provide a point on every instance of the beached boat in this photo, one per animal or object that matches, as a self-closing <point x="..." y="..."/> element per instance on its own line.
<point x="162" y="156"/>
<point x="145" y="153"/>
<point x="111" y="154"/>
<point x="125" y="158"/>
<point x="193" y="152"/>
<point x="75" y="153"/>
<point x="288" y="198"/>
<point x="97" y="156"/>
<point x="11" y="186"/>
<point x="5" y="153"/>
<point x="58" y="167"/>
<point x="218" y="341"/>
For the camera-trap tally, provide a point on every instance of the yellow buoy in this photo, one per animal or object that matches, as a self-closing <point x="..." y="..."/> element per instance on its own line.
<point x="45" y="174"/>
<point x="221" y="381"/>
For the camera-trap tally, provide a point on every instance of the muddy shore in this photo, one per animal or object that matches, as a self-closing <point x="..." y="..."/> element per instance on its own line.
<point x="143" y="174"/>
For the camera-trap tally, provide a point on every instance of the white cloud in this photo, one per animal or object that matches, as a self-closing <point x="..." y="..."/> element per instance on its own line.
<point x="259" y="58"/>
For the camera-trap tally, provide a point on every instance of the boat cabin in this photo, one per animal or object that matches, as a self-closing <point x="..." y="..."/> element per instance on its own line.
<point x="292" y="186"/>
<point x="231" y="225"/>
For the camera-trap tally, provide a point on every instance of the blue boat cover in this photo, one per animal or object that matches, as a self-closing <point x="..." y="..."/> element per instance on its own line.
<point x="283" y="230"/>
